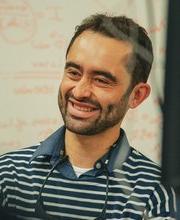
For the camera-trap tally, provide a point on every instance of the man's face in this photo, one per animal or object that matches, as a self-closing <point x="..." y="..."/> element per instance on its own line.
<point x="93" y="94"/>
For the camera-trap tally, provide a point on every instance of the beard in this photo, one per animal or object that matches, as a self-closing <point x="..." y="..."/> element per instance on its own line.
<point x="108" y="116"/>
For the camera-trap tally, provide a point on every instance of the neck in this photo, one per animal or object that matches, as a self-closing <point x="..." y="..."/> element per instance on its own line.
<point x="84" y="151"/>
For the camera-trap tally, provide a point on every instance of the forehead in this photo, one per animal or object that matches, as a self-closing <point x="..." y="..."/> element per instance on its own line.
<point x="89" y="38"/>
<point x="98" y="49"/>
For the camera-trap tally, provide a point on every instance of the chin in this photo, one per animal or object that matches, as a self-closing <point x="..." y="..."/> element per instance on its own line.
<point x="81" y="127"/>
<point x="80" y="130"/>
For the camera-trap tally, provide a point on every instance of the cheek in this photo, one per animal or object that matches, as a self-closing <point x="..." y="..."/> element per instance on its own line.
<point x="62" y="92"/>
<point x="65" y="86"/>
<point x="114" y="102"/>
<point x="108" y="98"/>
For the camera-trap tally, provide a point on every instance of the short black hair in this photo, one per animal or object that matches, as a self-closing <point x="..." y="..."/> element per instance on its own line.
<point x="124" y="29"/>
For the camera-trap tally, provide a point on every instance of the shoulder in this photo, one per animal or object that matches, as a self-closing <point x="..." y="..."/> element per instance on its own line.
<point x="137" y="158"/>
<point x="144" y="178"/>
<point x="139" y="170"/>
<point x="138" y="161"/>
<point x="22" y="155"/>
<point x="14" y="166"/>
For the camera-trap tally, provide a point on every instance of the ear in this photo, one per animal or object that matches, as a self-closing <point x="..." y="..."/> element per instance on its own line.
<point x="140" y="92"/>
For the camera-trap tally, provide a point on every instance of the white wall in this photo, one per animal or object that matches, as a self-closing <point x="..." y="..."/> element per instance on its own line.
<point x="33" y="38"/>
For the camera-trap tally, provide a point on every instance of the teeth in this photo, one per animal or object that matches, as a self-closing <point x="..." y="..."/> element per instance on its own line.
<point x="84" y="109"/>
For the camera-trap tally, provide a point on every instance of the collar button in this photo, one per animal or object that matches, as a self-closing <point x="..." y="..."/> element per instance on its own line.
<point x="61" y="152"/>
<point x="98" y="165"/>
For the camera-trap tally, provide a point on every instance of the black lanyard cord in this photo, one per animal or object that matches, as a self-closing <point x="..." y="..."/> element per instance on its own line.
<point x="103" y="213"/>
<point x="39" y="205"/>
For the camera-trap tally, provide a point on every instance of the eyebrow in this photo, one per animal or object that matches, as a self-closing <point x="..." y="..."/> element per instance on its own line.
<point x="106" y="74"/>
<point x="72" y="64"/>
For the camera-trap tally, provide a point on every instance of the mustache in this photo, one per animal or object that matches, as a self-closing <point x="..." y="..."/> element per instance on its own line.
<point x="69" y="95"/>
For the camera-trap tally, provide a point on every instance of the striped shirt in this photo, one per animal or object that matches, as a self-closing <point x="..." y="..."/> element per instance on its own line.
<point x="39" y="182"/>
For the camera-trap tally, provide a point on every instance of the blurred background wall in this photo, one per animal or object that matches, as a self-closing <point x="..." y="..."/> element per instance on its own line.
<point x="34" y="35"/>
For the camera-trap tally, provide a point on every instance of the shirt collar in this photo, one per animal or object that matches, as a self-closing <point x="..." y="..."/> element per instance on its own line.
<point x="120" y="152"/>
<point x="117" y="154"/>
<point x="53" y="147"/>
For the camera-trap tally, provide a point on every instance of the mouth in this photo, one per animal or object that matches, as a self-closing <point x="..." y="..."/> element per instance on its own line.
<point x="81" y="109"/>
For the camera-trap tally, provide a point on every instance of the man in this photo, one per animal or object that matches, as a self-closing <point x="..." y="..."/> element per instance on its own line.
<point x="86" y="169"/>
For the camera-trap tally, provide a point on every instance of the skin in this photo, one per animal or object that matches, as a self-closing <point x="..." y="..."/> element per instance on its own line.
<point x="94" y="95"/>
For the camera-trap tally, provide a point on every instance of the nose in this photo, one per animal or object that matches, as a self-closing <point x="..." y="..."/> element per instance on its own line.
<point x="82" y="89"/>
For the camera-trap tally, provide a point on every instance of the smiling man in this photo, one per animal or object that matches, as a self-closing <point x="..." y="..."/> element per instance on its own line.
<point x="87" y="169"/>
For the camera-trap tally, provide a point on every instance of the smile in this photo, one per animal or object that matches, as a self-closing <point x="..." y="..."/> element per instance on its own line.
<point x="84" y="109"/>
<point x="81" y="110"/>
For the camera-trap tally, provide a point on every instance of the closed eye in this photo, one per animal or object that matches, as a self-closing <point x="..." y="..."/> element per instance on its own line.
<point x="73" y="74"/>
<point x="100" y="80"/>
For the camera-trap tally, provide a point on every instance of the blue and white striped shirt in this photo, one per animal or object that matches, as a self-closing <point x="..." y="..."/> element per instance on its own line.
<point x="123" y="184"/>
